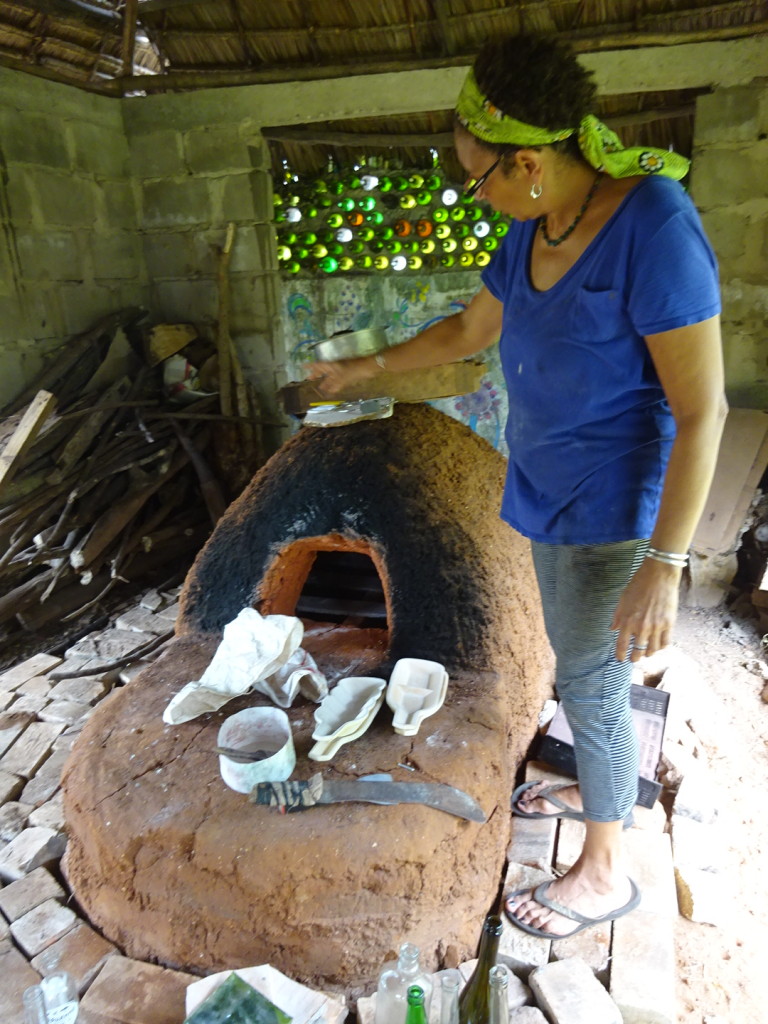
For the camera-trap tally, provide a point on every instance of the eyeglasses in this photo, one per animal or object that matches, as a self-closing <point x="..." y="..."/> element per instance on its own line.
<point x="475" y="184"/>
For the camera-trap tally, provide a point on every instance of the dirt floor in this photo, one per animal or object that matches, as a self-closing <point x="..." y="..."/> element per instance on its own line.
<point x="722" y="977"/>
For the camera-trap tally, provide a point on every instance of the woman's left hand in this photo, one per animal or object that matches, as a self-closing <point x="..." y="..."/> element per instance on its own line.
<point x="647" y="610"/>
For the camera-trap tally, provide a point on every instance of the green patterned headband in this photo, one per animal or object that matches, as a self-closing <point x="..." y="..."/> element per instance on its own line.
<point x="599" y="146"/>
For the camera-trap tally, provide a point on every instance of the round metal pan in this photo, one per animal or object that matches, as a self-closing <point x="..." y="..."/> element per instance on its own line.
<point x="351" y="344"/>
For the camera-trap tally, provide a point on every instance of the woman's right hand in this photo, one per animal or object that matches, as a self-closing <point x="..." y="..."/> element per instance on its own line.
<point x="333" y="377"/>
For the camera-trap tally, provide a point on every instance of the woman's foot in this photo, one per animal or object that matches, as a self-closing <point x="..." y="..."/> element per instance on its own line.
<point x="590" y="898"/>
<point x="528" y="800"/>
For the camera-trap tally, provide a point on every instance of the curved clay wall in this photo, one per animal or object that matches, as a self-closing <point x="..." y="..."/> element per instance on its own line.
<point x="176" y="868"/>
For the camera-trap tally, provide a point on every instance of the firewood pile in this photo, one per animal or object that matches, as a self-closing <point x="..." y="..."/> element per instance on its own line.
<point x="103" y="478"/>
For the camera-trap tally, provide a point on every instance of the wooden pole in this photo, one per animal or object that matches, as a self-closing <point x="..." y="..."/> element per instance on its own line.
<point x="223" y="344"/>
<point x="40" y="408"/>
<point x="130" y="14"/>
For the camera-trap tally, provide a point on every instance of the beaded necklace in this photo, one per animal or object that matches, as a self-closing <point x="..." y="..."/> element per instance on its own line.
<point x="579" y="215"/>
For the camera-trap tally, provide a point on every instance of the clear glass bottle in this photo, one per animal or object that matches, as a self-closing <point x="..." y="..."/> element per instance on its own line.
<point x="449" y="997"/>
<point x="498" y="1006"/>
<point x="396" y="979"/>
<point x="415" y="1013"/>
<point x="475" y="997"/>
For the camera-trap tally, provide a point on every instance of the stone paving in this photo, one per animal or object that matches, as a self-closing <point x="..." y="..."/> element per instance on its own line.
<point x="620" y="974"/>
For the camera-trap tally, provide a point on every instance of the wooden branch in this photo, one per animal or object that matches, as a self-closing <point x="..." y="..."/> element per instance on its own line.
<point x="83" y="437"/>
<point x="210" y="487"/>
<point x="116" y="518"/>
<point x="21" y="440"/>
<point x="108" y="666"/>
<point x="222" y="331"/>
<point x="128" y="45"/>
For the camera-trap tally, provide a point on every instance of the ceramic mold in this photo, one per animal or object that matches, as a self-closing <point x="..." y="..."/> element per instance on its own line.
<point x="345" y="714"/>
<point x="267" y="729"/>
<point x="416" y="690"/>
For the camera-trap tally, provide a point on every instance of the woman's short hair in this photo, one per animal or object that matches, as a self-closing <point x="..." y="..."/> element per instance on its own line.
<point x="536" y="79"/>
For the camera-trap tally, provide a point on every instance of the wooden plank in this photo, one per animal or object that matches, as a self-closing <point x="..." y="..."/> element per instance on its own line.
<point x="741" y="462"/>
<point x="413" y="386"/>
<point x="40" y="408"/>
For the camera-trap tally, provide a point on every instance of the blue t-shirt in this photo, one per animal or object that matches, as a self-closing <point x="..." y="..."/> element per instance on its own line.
<point x="589" y="429"/>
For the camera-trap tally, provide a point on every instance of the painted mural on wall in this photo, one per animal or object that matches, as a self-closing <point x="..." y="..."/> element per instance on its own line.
<point x="318" y="308"/>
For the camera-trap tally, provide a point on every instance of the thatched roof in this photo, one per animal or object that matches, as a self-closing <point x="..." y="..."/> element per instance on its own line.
<point x="121" y="47"/>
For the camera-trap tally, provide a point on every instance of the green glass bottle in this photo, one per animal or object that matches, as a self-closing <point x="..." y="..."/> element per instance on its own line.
<point x="393" y="245"/>
<point x="366" y="234"/>
<point x="407" y="201"/>
<point x="293" y="267"/>
<point x="376" y="217"/>
<point x="498" y="1006"/>
<point x="416" y="181"/>
<point x="475" y="212"/>
<point x="443" y="231"/>
<point x="347" y="204"/>
<point x="500" y="228"/>
<point x="356" y="247"/>
<point x="458" y="213"/>
<point x="324" y="200"/>
<point x="461" y="230"/>
<point x="336" y="187"/>
<point x="335" y="220"/>
<point x="415" y="1014"/>
<point x="308" y="238"/>
<point x="423" y="198"/>
<point x="440" y="215"/>
<point x="300" y="252"/>
<point x="385" y="184"/>
<point x="283" y="253"/>
<point x="474" y="1001"/>
<point x="385" y="233"/>
<point x="469" y="244"/>
<point x="328" y="265"/>
<point x="411" y="245"/>
<point x="447" y="259"/>
<point x="490" y="243"/>
<point x="346" y="263"/>
<point x="367" y="203"/>
<point x="466" y="259"/>
<point x="433" y="182"/>
<point x="353" y="182"/>
<point x="400" y="183"/>
<point x="363" y="262"/>
<point x="482" y="259"/>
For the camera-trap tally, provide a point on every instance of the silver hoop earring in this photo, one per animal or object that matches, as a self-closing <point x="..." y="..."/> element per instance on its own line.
<point x="536" y="190"/>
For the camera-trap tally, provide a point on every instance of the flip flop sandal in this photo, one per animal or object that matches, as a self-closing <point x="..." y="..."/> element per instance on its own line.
<point x="539" y="895"/>
<point x="548" y="793"/>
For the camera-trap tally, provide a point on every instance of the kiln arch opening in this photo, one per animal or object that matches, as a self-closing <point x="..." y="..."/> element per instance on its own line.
<point x="330" y="579"/>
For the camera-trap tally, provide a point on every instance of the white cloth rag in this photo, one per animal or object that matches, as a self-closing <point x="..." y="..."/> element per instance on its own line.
<point x="256" y="652"/>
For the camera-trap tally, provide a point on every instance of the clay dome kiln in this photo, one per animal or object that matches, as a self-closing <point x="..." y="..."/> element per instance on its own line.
<point x="174" y="867"/>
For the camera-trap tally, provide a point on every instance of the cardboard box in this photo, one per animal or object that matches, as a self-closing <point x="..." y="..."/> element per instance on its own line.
<point x="649" y="713"/>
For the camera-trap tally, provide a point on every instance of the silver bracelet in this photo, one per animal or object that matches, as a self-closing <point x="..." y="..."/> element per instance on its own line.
<point x="668" y="557"/>
<point x="380" y="361"/>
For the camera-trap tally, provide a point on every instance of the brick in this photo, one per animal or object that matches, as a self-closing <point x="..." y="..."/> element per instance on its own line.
<point x="66" y="712"/>
<point x="13" y="818"/>
<point x="47" y="780"/>
<point x="650" y="819"/>
<point x="29" y="892"/>
<point x="49" y="814"/>
<point x="37" y="686"/>
<point x="570" y="840"/>
<point x="131" y="671"/>
<point x="142" y="621"/>
<point x="137" y="993"/>
<point x="698" y="846"/>
<point x="643" y="969"/>
<point x="12" y="725"/>
<point x="648" y="860"/>
<point x="15" y="976"/>
<point x="29" y="703"/>
<point x="31" y="748"/>
<point x="85" y="689"/>
<point x="593" y="946"/>
<point x="23" y="853"/>
<point x="35" y="666"/>
<point x="10" y="786"/>
<point x="517" y="949"/>
<point x="107" y="646"/>
<point x="152" y="601"/>
<point x="569" y="993"/>
<point x="533" y="842"/>
<point x="697" y="795"/>
<point x="527" y="1015"/>
<point x="38" y="928"/>
<point x="81" y="952"/>
<point x="185" y="202"/>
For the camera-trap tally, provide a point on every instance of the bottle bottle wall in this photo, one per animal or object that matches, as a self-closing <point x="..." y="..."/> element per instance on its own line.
<point x="367" y="221"/>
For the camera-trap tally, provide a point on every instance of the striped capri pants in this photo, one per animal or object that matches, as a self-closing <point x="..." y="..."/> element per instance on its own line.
<point x="580" y="587"/>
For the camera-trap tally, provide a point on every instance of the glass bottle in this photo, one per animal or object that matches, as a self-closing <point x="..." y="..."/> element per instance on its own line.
<point x="481" y="229"/>
<point x="416" y="181"/>
<point x="328" y="265"/>
<point x="402" y="228"/>
<point x="385" y="184"/>
<point x="440" y="215"/>
<point x="347" y="204"/>
<point x="449" y="996"/>
<point x="427" y="245"/>
<point x="396" y="979"/>
<point x="381" y="262"/>
<point x="367" y="203"/>
<point x="447" y="260"/>
<point x="490" y="243"/>
<point x="474" y="999"/>
<point x="399" y="262"/>
<point x="369" y="182"/>
<point x="415" y="1013"/>
<point x="498" y="1006"/>
<point x="450" y="197"/>
<point x="466" y="259"/>
<point x="443" y="231"/>
<point x="458" y="213"/>
<point x="407" y="201"/>
<point x="375" y="217"/>
<point x="346" y="263"/>
<point x="364" y="262"/>
<point x="423" y="198"/>
<point x="433" y="182"/>
<point x="356" y="219"/>
<point x="469" y="244"/>
<point x="423" y="228"/>
<point x="415" y="262"/>
<point x="482" y="259"/>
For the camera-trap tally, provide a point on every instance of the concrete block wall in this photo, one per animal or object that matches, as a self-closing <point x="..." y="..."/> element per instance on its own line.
<point x="198" y="167"/>
<point x="69" y="250"/>
<point x="730" y="188"/>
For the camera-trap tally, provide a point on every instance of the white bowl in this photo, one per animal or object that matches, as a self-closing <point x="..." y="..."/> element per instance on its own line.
<point x="416" y="690"/>
<point x="265" y="729"/>
<point x="345" y="714"/>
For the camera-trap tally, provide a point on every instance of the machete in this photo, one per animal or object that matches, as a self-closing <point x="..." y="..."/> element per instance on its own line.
<point x="297" y="796"/>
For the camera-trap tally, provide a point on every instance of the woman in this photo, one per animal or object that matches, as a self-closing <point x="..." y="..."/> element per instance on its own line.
<point x="605" y="297"/>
